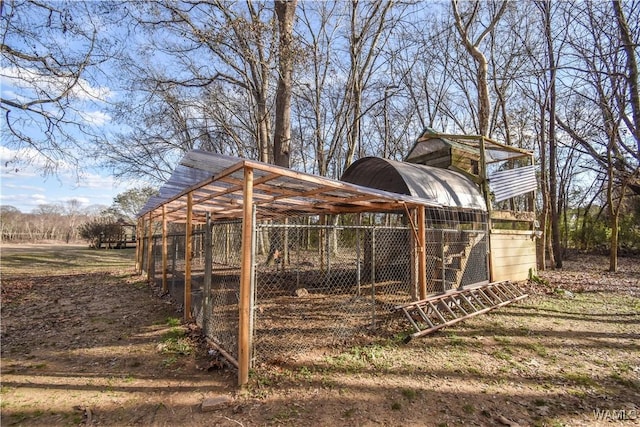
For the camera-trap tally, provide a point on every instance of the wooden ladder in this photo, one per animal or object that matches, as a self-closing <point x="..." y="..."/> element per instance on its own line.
<point x="436" y="312"/>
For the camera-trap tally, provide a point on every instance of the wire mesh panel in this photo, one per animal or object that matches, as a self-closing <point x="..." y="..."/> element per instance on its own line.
<point x="319" y="282"/>
<point x="456" y="249"/>
<point x="220" y="320"/>
<point x="319" y="285"/>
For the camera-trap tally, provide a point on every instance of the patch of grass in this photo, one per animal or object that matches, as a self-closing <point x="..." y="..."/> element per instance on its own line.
<point x="468" y="409"/>
<point x="169" y="361"/>
<point x="286" y="413"/>
<point x="173" y="321"/>
<point x="537" y="348"/>
<point x="176" y="345"/>
<point x="580" y="379"/>
<point x="540" y="402"/>
<point x="396" y="406"/>
<point x="305" y="373"/>
<point x="626" y="382"/>
<point x="474" y="371"/>
<point x="503" y="354"/>
<point x="409" y="394"/>
<point x="546" y="422"/>
<point x="18" y="417"/>
<point x="456" y="341"/>
<point x="66" y="258"/>
<point x="360" y="357"/>
<point x="623" y="367"/>
<point x="503" y="340"/>
<point x="349" y="413"/>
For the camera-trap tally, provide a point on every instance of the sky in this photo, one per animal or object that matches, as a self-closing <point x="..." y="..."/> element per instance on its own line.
<point x="26" y="188"/>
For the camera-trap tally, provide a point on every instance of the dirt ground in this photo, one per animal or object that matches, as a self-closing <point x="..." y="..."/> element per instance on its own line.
<point x="85" y="341"/>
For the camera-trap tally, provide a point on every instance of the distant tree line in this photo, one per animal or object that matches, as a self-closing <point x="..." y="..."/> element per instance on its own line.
<point x="71" y="223"/>
<point x="59" y="222"/>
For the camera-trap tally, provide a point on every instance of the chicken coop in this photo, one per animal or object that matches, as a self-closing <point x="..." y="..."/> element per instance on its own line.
<point x="278" y="265"/>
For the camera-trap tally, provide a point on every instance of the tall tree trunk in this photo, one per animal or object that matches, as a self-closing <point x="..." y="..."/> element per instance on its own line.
<point x="484" y="102"/>
<point x="544" y="215"/>
<point x="554" y="218"/>
<point x="613" y="217"/>
<point x="285" y="13"/>
<point x="632" y="76"/>
<point x="365" y="33"/>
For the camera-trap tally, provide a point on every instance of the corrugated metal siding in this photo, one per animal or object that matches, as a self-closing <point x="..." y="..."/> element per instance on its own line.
<point x="513" y="182"/>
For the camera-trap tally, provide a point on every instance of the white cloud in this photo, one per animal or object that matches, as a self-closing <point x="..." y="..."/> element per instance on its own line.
<point x="31" y="80"/>
<point x="97" y="118"/>
<point x="22" y="187"/>
<point x="28" y="161"/>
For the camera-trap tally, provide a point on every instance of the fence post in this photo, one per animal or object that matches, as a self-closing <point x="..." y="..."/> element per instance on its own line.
<point x="422" y="252"/>
<point x="208" y="263"/>
<point x="373" y="277"/>
<point x="244" y="304"/>
<point x="139" y="245"/>
<point x="149" y="245"/>
<point x="359" y="235"/>
<point x="164" y="248"/>
<point x="443" y="265"/>
<point x="187" y="258"/>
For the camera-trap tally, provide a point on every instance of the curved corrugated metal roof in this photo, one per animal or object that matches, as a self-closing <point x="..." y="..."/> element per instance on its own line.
<point x="443" y="186"/>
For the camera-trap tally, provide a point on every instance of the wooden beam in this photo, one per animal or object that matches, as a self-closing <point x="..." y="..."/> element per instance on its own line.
<point x="149" y="245"/>
<point x="208" y="265"/>
<point x="139" y="229"/>
<point x="164" y="249"/>
<point x="422" y="252"/>
<point x="513" y="216"/>
<point x="187" y="258"/>
<point x="244" y="304"/>
<point x="486" y="192"/>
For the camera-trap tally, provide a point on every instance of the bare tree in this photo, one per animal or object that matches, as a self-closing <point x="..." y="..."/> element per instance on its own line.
<point x="203" y="80"/>
<point x="466" y="23"/>
<point x="550" y="103"/>
<point x="49" y="53"/>
<point x="285" y="13"/>
<point x="367" y="24"/>
<point x="632" y="75"/>
<point x="603" y="71"/>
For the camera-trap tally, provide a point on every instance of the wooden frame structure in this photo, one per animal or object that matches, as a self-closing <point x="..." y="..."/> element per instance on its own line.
<point x="200" y="191"/>
<point x="512" y="248"/>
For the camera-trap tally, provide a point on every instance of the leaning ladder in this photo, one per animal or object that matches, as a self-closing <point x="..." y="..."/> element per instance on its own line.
<point x="436" y="312"/>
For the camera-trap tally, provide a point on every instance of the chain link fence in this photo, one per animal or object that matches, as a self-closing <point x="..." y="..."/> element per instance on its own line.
<point x="319" y="282"/>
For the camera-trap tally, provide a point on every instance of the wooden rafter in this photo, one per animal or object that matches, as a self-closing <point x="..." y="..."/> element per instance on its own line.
<point x="278" y="191"/>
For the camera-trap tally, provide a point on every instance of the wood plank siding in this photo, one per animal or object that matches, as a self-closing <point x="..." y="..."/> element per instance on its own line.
<point x="513" y="254"/>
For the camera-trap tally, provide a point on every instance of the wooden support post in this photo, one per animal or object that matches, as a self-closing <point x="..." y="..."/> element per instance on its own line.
<point x="422" y="252"/>
<point x="141" y="254"/>
<point x="138" y="245"/>
<point x="486" y="192"/>
<point x="149" y="247"/>
<point x="208" y="265"/>
<point x="164" y="249"/>
<point x="187" y="258"/>
<point x="244" y="304"/>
